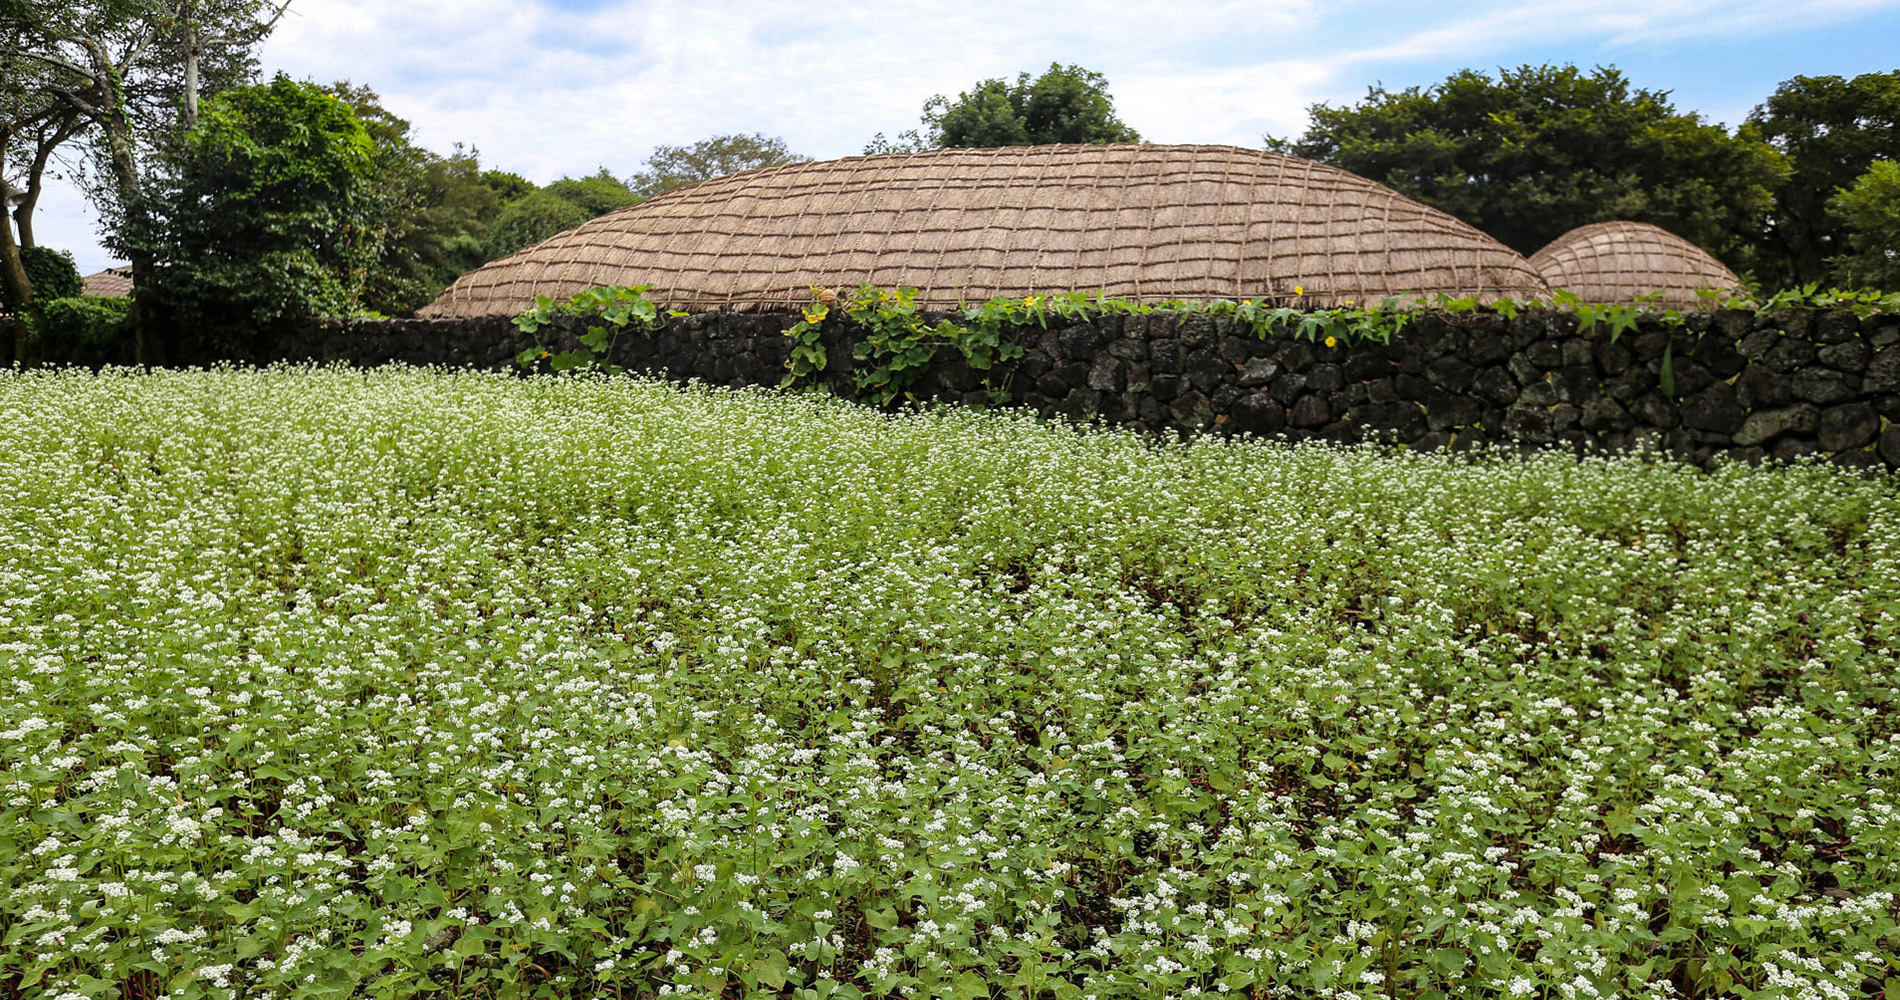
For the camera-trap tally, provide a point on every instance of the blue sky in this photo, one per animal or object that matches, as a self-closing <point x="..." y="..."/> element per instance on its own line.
<point x="552" y="87"/>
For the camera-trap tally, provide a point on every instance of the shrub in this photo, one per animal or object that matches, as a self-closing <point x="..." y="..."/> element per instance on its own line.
<point x="81" y="329"/>
<point x="52" y="272"/>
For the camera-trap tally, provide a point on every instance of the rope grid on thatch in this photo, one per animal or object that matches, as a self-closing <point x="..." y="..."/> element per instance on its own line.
<point x="1620" y="262"/>
<point x="1143" y="222"/>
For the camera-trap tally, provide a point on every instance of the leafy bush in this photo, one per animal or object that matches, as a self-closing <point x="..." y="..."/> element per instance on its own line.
<point x="52" y="273"/>
<point x="325" y="683"/>
<point x="83" y="329"/>
<point x="1870" y="213"/>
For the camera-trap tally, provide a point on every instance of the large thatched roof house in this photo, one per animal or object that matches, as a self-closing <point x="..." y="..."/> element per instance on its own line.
<point x="1621" y="262"/>
<point x="1144" y="222"/>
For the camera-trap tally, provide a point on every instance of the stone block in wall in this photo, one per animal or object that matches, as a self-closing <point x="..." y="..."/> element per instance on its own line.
<point x="1763" y="426"/>
<point x="1495" y="385"/>
<point x="1717" y="353"/>
<point x="1611" y="357"/>
<point x="1451" y="373"/>
<point x="1522" y="370"/>
<point x="1837" y="326"/>
<point x="1796" y="323"/>
<point x="1192" y="411"/>
<point x="1541" y="393"/>
<point x="1489" y="347"/>
<point x="1821" y="386"/>
<point x="1530" y="424"/>
<point x="1565" y="418"/>
<point x="1760" y="386"/>
<point x="1447" y="411"/>
<point x="1576" y="384"/>
<point x="1233" y="350"/>
<point x="1325" y="378"/>
<point x="1390" y="422"/>
<point x="1129" y="349"/>
<point x="1412" y="387"/>
<point x="1310" y="411"/>
<point x="1758" y="343"/>
<point x="1733" y="323"/>
<point x="1648" y="345"/>
<point x="1848" y="356"/>
<point x="1713" y="409"/>
<point x="1789" y="353"/>
<point x="1205" y="369"/>
<point x="1297" y="356"/>
<point x="1605" y="414"/>
<point x="1633" y="382"/>
<point x="1259" y="414"/>
<point x="1138" y="377"/>
<point x="1654" y="410"/>
<point x="1847" y="428"/>
<point x="1862" y="460"/>
<point x="1883" y="371"/>
<point x="1545" y="354"/>
<point x="1108" y="374"/>
<point x="1165" y="356"/>
<point x="1258" y="372"/>
<point x="1578" y="351"/>
<point x="1080" y="342"/>
<point x="1381" y="390"/>
<point x="1790" y="448"/>
<point x="1890" y="445"/>
<point x="1288" y="388"/>
<point x="1224" y="397"/>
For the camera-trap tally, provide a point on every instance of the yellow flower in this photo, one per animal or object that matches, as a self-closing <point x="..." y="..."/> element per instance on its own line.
<point x="1030" y="301"/>
<point x="1330" y="341"/>
<point x="1297" y="290"/>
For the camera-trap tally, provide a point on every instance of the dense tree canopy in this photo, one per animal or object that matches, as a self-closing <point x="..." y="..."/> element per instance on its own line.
<point x="1831" y="130"/>
<point x="529" y="218"/>
<point x="1065" y="104"/>
<point x="271" y="217"/>
<point x="1539" y="150"/>
<point x="1869" y="212"/>
<point x="677" y="166"/>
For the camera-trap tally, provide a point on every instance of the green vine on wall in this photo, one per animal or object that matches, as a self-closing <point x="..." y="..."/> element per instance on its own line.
<point x="617" y="310"/>
<point x="899" y="343"/>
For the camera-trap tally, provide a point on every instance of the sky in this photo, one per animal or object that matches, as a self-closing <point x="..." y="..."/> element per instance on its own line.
<point x="547" y="88"/>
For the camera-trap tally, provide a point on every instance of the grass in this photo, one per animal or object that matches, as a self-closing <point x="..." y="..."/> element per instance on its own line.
<point x="316" y="682"/>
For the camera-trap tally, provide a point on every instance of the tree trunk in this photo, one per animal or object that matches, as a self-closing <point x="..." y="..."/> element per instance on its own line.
<point x="147" y="348"/>
<point x="13" y="269"/>
<point x="191" y="72"/>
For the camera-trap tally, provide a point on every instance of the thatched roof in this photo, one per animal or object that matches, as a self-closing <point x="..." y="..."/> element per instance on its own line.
<point x="1143" y="222"/>
<point x="1618" y="262"/>
<point x="112" y="283"/>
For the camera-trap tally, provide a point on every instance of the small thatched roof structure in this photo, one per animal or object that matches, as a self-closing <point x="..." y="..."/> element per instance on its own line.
<point x="111" y="283"/>
<point x="1144" y="222"/>
<point x="1619" y="262"/>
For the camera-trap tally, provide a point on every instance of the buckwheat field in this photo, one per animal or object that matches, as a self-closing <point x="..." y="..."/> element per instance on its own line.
<point x="325" y="683"/>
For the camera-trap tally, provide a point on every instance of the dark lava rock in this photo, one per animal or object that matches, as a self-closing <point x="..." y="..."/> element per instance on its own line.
<point x="1760" y="386"/>
<point x="1654" y="411"/>
<point x="1848" y="356"/>
<point x="1445" y="410"/>
<point x="1604" y="414"/>
<point x="1311" y="411"/>
<point x="1890" y="445"/>
<point x="1258" y="414"/>
<point x="1495" y="385"/>
<point x="1324" y="378"/>
<point x="1818" y="385"/>
<point x="1788" y="354"/>
<point x="1763" y="426"/>
<point x="1883" y="372"/>
<point x="1714" y="409"/>
<point x="1847" y="428"/>
<point x="1530" y="424"/>
<point x="1451" y="373"/>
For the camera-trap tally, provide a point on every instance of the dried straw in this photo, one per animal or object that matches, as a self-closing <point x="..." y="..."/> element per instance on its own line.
<point x="1620" y="262"/>
<point x="1142" y="222"/>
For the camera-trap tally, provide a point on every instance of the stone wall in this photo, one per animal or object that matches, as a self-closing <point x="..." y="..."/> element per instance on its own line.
<point x="1746" y="385"/>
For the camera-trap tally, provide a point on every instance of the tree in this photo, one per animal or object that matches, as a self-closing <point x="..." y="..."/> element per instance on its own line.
<point x="1065" y="104"/>
<point x="531" y="218"/>
<point x="1831" y="130"/>
<point x="677" y="166"/>
<point x="269" y="219"/>
<point x="1869" y="212"/>
<point x="1541" y="150"/>
<point x="596" y="195"/>
<point x="131" y="72"/>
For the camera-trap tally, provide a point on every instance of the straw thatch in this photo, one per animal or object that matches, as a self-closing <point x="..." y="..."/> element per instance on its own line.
<point x="1149" y="223"/>
<point x="111" y="283"/>
<point x="1620" y="262"/>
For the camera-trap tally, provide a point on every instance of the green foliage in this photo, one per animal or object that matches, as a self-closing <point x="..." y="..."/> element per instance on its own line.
<point x="80" y="329"/>
<point x="677" y="166"/>
<point x="1831" y="130"/>
<point x="334" y="683"/>
<point x="596" y="195"/>
<point x="271" y="219"/>
<point x="1540" y="150"/>
<point x="1065" y="104"/>
<point x="605" y="314"/>
<point x="51" y="272"/>
<point x="507" y="186"/>
<point x="1869" y="214"/>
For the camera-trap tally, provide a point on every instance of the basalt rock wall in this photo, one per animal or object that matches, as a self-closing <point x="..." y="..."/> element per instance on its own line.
<point x="1747" y="385"/>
